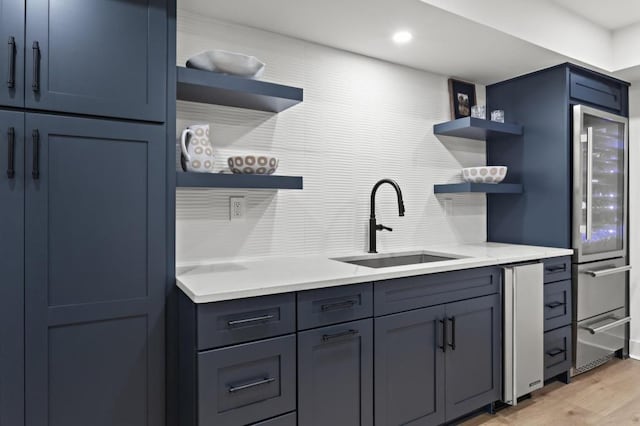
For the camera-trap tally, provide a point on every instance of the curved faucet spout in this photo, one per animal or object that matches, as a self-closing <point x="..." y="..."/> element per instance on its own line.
<point x="373" y="226"/>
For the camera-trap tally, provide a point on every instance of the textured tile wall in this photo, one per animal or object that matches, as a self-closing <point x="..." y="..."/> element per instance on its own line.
<point x="362" y="119"/>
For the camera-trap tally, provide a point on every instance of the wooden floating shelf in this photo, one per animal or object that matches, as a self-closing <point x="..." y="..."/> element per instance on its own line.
<point x="228" y="90"/>
<point x="221" y="180"/>
<point x="489" y="188"/>
<point x="476" y="128"/>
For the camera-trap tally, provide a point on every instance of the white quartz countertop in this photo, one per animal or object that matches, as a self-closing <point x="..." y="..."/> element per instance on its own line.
<point x="259" y="277"/>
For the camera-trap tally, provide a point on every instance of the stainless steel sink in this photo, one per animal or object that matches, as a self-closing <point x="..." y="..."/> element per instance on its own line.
<point x="399" y="259"/>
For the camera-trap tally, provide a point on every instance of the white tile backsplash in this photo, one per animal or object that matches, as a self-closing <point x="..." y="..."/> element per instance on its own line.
<point x="362" y="119"/>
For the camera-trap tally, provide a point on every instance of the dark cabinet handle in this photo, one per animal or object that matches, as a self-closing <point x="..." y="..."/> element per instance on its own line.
<point x="554" y="305"/>
<point x="11" y="81"/>
<point x="36" y="67"/>
<point x="444" y="335"/>
<point x="555" y="352"/>
<point x="556" y="268"/>
<point x="339" y="305"/>
<point x="249" y="320"/>
<point x="11" y="172"/>
<point x="264" y="381"/>
<point x="453" y="333"/>
<point x="328" y="337"/>
<point x="35" y="172"/>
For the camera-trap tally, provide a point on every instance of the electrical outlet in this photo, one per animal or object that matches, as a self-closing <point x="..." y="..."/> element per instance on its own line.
<point x="237" y="208"/>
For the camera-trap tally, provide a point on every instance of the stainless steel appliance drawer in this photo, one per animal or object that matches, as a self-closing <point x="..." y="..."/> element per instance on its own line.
<point x="601" y="287"/>
<point x="599" y="337"/>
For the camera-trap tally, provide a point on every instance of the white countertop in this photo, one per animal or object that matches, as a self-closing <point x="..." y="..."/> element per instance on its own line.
<point x="234" y="280"/>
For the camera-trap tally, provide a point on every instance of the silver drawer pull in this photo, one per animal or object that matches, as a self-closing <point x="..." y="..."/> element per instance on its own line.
<point x="261" y="382"/>
<point x="609" y="326"/>
<point x="605" y="272"/>
<point x="250" y="320"/>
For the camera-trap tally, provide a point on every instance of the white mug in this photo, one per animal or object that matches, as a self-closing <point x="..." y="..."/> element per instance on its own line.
<point x="197" y="152"/>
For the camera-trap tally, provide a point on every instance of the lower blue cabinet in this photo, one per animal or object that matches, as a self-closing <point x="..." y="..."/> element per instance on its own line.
<point x="243" y="384"/>
<point x="424" y="366"/>
<point x="335" y="375"/>
<point x="473" y="355"/>
<point x="409" y="368"/>
<point x="433" y="365"/>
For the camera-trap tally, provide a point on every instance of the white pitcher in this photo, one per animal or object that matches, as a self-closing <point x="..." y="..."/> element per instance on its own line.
<point x="197" y="151"/>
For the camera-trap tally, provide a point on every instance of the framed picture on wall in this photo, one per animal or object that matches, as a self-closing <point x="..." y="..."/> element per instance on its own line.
<point x="462" y="96"/>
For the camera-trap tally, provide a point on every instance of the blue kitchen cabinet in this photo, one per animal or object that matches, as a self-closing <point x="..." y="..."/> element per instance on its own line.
<point x="100" y="57"/>
<point x="473" y="358"/>
<point x="11" y="268"/>
<point x="335" y="375"/>
<point x="94" y="276"/>
<point x="12" y="59"/>
<point x="410" y="368"/>
<point x="437" y="364"/>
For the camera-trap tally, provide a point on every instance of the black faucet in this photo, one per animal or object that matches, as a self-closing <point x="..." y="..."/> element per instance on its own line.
<point x="373" y="226"/>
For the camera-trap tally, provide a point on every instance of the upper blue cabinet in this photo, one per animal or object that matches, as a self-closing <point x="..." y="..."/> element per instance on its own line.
<point x="12" y="60"/>
<point x="101" y="57"/>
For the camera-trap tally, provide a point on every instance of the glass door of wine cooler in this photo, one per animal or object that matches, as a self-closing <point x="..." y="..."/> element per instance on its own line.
<point x="600" y="164"/>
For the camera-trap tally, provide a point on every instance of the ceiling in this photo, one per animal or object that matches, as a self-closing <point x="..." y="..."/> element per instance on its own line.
<point x="481" y="50"/>
<point x="609" y="14"/>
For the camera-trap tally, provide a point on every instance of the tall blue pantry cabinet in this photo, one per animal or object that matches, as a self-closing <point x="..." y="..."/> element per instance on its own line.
<point x="83" y="217"/>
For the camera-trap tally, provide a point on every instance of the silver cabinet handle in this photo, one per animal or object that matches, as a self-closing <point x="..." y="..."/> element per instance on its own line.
<point x="609" y="326"/>
<point x="264" y="381"/>
<point x="250" y="320"/>
<point x="589" y="182"/>
<point x="611" y="271"/>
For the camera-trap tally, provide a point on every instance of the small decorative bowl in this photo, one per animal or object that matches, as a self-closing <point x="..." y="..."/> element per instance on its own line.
<point x="253" y="164"/>
<point x="485" y="174"/>
<point x="226" y="62"/>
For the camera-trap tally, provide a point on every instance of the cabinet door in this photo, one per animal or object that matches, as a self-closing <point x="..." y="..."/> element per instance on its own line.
<point x="11" y="268"/>
<point x="99" y="57"/>
<point x="473" y="354"/>
<point x="12" y="54"/>
<point x="409" y="368"/>
<point x="95" y="262"/>
<point x="335" y="375"/>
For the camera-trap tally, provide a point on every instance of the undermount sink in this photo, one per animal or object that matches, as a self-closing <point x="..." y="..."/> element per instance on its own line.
<point x="399" y="259"/>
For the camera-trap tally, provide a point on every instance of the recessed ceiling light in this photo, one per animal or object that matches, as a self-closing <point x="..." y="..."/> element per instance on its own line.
<point x="402" y="37"/>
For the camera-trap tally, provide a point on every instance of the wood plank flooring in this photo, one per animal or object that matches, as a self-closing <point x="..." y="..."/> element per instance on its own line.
<point x="609" y="395"/>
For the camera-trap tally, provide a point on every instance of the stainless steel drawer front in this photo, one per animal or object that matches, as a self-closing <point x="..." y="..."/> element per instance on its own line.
<point x="597" y="338"/>
<point x="601" y="287"/>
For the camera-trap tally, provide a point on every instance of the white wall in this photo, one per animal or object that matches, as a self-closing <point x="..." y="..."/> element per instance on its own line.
<point x="361" y="120"/>
<point x="634" y="218"/>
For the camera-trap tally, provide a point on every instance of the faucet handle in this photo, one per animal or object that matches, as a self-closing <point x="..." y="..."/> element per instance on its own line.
<point x="382" y="227"/>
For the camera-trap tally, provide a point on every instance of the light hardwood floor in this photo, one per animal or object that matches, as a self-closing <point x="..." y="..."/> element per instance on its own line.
<point x="609" y="395"/>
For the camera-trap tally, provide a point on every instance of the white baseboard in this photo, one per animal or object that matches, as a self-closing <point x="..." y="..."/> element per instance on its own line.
<point x="634" y="349"/>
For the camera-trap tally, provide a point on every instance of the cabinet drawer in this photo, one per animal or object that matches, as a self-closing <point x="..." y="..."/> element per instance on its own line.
<point x="596" y="91"/>
<point x="243" y="320"/>
<point x="557" y="269"/>
<point x="403" y="294"/>
<point x="334" y="305"/>
<point x="557" y="351"/>
<point x="557" y="304"/>
<point x="243" y="384"/>
<point x="286" y="420"/>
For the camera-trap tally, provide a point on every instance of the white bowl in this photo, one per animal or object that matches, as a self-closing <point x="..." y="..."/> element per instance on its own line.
<point x="485" y="174"/>
<point x="253" y="164"/>
<point x="227" y="63"/>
